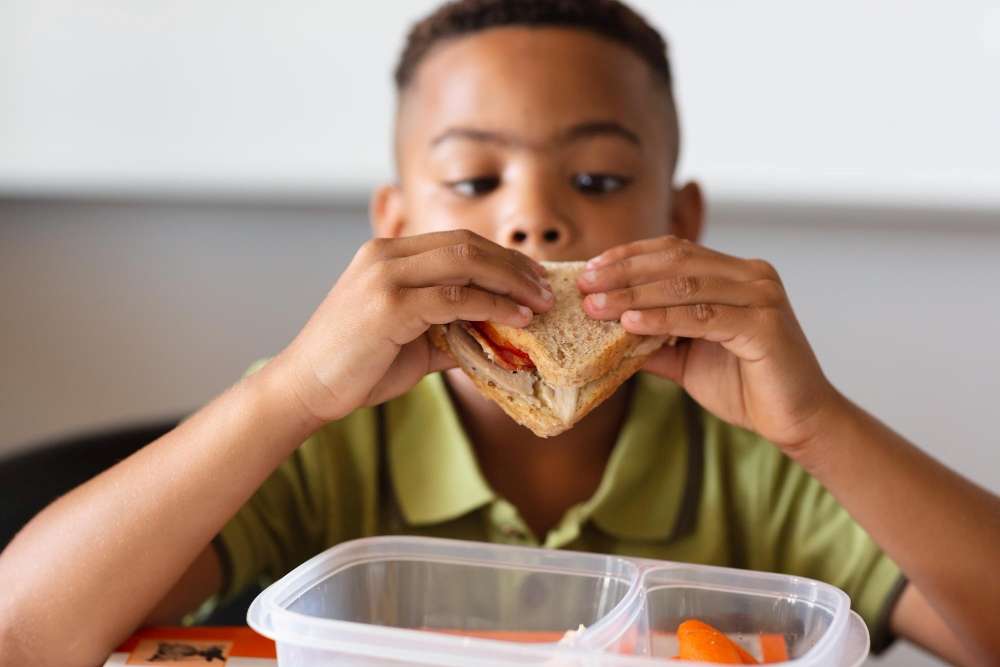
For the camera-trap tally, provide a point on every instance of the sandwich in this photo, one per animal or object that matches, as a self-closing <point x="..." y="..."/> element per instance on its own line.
<point x="550" y="374"/>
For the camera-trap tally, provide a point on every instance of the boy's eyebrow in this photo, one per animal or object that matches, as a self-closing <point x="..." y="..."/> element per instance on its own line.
<point x="583" y="130"/>
<point x="473" y="134"/>
<point x="601" y="127"/>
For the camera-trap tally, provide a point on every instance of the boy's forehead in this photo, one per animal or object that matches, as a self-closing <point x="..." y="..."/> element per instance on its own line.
<point x="533" y="83"/>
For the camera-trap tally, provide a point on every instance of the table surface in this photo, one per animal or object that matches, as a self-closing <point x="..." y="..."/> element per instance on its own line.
<point x="221" y="646"/>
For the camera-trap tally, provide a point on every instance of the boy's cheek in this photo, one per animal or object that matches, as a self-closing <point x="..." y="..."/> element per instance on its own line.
<point x="430" y="215"/>
<point x="606" y="229"/>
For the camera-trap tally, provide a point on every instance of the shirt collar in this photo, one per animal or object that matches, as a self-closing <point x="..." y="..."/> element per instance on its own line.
<point x="433" y="467"/>
<point x="642" y="488"/>
<point x="436" y="476"/>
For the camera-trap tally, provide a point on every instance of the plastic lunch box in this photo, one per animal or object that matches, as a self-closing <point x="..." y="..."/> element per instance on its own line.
<point x="422" y="601"/>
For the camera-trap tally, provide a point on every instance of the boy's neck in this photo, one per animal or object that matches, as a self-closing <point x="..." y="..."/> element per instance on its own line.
<point x="542" y="477"/>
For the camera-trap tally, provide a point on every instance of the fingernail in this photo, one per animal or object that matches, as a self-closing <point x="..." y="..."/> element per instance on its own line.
<point x="525" y="312"/>
<point x="547" y="294"/>
<point x="631" y="316"/>
<point x="594" y="262"/>
<point x="589" y="276"/>
<point x="598" y="300"/>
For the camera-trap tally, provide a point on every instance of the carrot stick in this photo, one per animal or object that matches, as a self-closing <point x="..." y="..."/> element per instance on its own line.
<point x="773" y="648"/>
<point x="700" y="641"/>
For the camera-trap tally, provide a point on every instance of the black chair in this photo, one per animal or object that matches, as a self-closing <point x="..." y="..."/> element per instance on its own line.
<point x="37" y="475"/>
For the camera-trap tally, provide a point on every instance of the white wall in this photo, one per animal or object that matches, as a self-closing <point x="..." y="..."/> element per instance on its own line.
<point x="889" y="101"/>
<point x="114" y="313"/>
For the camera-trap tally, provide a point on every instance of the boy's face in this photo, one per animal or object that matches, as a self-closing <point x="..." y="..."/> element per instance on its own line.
<point x="553" y="141"/>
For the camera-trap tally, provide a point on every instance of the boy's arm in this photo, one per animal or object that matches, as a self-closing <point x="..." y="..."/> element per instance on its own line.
<point x="200" y="581"/>
<point x="747" y="361"/>
<point x="95" y="564"/>
<point x="108" y="555"/>
<point x="942" y="530"/>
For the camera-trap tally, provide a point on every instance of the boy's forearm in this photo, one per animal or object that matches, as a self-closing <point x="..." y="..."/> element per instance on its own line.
<point x="94" y="563"/>
<point x="941" y="529"/>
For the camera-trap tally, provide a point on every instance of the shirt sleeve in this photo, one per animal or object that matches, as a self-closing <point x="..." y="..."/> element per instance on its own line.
<point x="799" y="528"/>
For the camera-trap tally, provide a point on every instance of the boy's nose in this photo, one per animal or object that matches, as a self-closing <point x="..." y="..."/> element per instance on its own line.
<point x="531" y="219"/>
<point x="541" y="238"/>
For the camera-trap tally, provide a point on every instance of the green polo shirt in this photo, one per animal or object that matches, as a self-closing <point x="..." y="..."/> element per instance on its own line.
<point x="726" y="497"/>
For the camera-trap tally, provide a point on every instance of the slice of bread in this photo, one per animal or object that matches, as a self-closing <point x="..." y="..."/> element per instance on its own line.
<point x="568" y="347"/>
<point x="570" y="350"/>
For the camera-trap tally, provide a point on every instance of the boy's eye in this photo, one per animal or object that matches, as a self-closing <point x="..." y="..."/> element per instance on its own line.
<point x="475" y="187"/>
<point x="598" y="184"/>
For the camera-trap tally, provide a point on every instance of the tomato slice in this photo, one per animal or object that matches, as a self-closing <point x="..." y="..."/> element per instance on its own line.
<point x="509" y="356"/>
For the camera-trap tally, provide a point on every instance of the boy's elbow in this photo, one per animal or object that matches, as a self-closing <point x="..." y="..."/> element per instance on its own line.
<point x="12" y="649"/>
<point x="23" y="642"/>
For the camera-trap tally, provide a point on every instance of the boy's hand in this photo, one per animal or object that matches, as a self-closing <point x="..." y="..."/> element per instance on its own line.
<point x="747" y="360"/>
<point x="367" y="343"/>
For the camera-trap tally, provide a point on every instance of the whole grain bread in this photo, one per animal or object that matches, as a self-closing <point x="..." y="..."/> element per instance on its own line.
<point x="569" y="349"/>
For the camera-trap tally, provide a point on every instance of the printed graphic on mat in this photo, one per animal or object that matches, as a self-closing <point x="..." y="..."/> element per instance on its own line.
<point x="179" y="653"/>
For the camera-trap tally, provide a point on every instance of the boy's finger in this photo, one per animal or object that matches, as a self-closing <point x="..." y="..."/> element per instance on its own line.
<point x="682" y="290"/>
<point x="679" y="262"/>
<point x="447" y="303"/>
<point x="470" y="265"/>
<point x="746" y="332"/>
<point x="389" y="248"/>
<point x="439" y="360"/>
<point x="641" y="247"/>
<point x="658" y="244"/>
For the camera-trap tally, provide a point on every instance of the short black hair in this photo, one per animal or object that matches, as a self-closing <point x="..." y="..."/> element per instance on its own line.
<point x="608" y="18"/>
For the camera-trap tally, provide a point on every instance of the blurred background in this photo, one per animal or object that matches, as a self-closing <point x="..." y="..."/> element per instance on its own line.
<point x="181" y="183"/>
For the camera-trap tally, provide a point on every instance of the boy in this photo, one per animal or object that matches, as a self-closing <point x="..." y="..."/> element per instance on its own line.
<point x="525" y="131"/>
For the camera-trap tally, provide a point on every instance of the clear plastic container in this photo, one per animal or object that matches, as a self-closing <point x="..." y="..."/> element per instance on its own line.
<point x="412" y="600"/>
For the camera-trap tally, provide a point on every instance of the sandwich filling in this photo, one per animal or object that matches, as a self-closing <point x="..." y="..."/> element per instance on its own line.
<point x="499" y="349"/>
<point x="479" y="348"/>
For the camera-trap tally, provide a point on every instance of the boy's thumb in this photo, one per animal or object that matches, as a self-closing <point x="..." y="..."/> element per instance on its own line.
<point x="668" y="361"/>
<point x="439" y="361"/>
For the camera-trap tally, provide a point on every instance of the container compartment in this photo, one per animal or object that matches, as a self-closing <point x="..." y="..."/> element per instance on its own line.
<point x="773" y="617"/>
<point x="386" y="593"/>
<point x="463" y="598"/>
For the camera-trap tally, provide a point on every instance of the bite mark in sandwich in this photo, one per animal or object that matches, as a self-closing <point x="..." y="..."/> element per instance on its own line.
<point x="499" y="350"/>
<point x="550" y="374"/>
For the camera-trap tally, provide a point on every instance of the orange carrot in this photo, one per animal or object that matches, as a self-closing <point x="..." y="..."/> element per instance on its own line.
<point x="700" y="641"/>
<point x="773" y="648"/>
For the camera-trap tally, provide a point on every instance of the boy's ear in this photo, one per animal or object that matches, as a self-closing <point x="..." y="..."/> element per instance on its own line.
<point x="385" y="211"/>
<point x="687" y="212"/>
